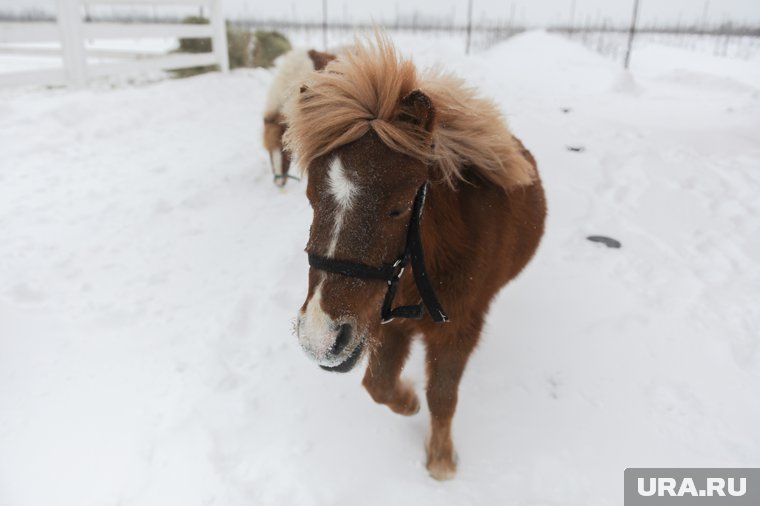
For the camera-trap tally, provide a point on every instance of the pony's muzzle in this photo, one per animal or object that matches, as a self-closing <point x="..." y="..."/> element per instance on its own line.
<point x="334" y="345"/>
<point x="342" y="339"/>
<point x="350" y="362"/>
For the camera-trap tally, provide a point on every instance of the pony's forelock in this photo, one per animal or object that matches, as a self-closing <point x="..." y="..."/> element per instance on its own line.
<point x="362" y="91"/>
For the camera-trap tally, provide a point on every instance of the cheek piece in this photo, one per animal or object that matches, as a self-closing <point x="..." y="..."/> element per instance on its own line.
<point x="391" y="273"/>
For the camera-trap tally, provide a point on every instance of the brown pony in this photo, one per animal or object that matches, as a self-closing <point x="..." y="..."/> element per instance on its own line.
<point x="398" y="165"/>
<point x="295" y="66"/>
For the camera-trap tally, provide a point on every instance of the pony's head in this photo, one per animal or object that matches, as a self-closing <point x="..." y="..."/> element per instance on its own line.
<point x="370" y="134"/>
<point x="274" y="129"/>
<point x="364" y="134"/>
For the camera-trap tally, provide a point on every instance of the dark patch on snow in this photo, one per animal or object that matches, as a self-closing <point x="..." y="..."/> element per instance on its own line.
<point x="576" y="149"/>
<point x="607" y="241"/>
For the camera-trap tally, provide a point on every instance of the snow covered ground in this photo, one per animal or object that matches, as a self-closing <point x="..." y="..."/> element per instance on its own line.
<point x="150" y="273"/>
<point x="23" y="57"/>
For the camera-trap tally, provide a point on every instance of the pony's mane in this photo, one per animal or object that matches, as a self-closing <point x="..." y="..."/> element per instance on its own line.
<point x="362" y="90"/>
<point x="292" y="69"/>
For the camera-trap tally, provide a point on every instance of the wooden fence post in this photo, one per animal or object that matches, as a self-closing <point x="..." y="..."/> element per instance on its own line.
<point x="219" y="42"/>
<point x="72" y="42"/>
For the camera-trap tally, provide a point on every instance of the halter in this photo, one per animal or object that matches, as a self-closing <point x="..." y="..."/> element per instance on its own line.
<point x="391" y="273"/>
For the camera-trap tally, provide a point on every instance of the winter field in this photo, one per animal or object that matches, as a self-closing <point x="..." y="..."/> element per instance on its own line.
<point x="150" y="273"/>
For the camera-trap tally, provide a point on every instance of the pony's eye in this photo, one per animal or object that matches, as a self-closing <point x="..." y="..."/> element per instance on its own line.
<point x="396" y="213"/>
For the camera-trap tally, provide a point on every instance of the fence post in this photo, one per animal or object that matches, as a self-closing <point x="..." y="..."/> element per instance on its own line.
<point x="324" y="25"/>
<point x="572" y="18"/>
<point x="219" y="42"/>
<point x="72" y="42"/>
<point x="631" y="33"/>
<point x="469" y="27"/>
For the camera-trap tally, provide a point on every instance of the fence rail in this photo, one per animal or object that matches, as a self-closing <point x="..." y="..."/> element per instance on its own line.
<point x="149" y="2"/>
<point x="70" y="31"/>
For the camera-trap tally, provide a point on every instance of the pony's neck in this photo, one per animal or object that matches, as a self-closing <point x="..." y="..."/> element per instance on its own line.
<point x="443" y="229"/>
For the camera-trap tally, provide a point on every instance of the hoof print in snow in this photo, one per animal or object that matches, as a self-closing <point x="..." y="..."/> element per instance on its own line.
<point x="576" y="149"/>
<point x="565" y="110"/>
<point x="607" y="241"/>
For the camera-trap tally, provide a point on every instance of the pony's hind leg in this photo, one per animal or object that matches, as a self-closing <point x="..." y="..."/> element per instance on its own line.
<point x="446" y="360"/>
<point x="382" y="379"/>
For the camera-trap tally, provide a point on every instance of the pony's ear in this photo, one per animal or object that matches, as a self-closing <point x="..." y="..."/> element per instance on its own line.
<point x="319" y="59"/>
<point x="417" y="108"/>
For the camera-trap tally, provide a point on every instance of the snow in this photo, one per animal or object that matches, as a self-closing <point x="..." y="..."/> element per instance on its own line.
<point x="150" y="273"/>
<point x="22" y="57"/>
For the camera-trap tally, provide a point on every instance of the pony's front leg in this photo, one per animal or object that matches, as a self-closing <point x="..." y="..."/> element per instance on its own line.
<point x="446" y="360"/>
<point x="382" y="379"/>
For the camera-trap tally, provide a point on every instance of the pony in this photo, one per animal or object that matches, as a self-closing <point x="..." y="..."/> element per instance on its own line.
<point x="415" y="172"/>
<point x="294" y="67"/>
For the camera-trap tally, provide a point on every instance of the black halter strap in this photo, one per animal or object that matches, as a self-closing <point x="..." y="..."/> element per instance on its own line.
<point x="392" y="273"/>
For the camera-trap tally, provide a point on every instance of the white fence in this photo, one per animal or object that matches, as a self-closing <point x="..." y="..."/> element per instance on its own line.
<point x="71" y="31"/>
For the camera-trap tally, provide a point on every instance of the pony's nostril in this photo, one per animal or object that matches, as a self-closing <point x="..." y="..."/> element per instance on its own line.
<point x="342" y="339"/>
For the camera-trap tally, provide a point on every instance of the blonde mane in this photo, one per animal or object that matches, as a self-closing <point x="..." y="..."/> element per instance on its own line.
<point x="292" y="69"/>
<point x="362" y="90"/>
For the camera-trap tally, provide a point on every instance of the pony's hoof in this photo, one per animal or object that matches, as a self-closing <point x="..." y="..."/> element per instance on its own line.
<point x="401" y="399"/>
<point x="442" y="469"/>
<point x="442" y="460"/>
<point x="410" y="408"/>
<point x="409" y="403"/>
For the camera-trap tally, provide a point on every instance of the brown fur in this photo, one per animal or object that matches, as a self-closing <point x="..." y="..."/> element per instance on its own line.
<point x="274" y="129"/>
<point x="478" y="231"/>
<point x="320" y="59"/>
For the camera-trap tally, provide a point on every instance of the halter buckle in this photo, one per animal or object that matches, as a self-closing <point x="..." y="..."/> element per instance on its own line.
<point x="397" y="275"/>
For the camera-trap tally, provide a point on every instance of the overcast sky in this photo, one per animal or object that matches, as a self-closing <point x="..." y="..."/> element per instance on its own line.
<point x="525" y="11"/>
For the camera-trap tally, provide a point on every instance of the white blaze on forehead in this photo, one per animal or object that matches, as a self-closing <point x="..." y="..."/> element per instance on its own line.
<point x="341" y="188"/>
<point x="344" y="192"/>
<point x="316" y="330"/>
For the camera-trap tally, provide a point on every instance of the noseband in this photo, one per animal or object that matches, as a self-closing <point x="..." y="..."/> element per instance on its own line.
<point x="391" y="273"/>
